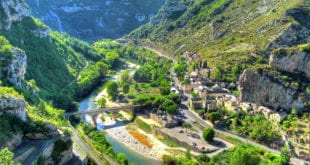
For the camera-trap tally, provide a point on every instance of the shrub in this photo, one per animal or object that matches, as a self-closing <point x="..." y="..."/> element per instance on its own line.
<point x="304" y="48"/>
<point x="208" y="134"/>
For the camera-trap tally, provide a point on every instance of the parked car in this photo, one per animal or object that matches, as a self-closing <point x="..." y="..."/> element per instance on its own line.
<point x="195" y="136"/>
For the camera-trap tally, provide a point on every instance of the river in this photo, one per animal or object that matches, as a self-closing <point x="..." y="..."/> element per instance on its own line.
<point x="88" y="103"/>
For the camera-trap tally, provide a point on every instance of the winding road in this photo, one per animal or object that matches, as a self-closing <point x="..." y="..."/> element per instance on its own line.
<point x="88" y="149"/>
<point x="194" y="117"/>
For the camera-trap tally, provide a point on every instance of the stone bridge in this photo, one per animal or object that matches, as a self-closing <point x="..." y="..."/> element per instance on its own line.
<point x="114" y="110"/>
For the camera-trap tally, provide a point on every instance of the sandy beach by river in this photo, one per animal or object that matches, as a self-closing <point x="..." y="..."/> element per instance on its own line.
<point x="116" y="129"/>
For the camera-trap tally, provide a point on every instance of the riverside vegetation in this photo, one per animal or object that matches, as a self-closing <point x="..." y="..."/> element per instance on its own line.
<point x="62" y="69"/>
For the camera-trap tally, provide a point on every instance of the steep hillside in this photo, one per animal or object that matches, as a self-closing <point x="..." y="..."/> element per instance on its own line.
<point x="51" y="60"/>
<point x="236" y="31"/>
<point x="268" y="38"/>
<point x="94" y="20"/>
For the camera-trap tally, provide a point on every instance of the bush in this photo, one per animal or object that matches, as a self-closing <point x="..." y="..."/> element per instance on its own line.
<point x="6" y="157"/>
<point x="112" y="89"/>
<point x="208" y="134"/>
<point x="304" y="48"/>
<point x="122" y="159"/>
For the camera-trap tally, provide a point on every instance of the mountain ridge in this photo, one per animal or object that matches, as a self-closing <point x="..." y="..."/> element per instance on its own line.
<point x="94" y="20"/>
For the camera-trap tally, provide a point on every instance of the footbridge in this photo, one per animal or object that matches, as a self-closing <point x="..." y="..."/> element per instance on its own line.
<point x="93" y="113"/>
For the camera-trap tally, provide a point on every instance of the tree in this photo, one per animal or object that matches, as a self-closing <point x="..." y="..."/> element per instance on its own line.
<point x="203" y="158"/>
<point x="113" y="58"/>
<point x="235" y="70"/>
<point x="122" y="159"/>
<point x="103" y="68"/>
<point x="244" y="155"/>
<point x="125" y="76"/>
<point x="194" y="95"/>
<point x="164" y="90"/>
<point x="170" y="106"/>
<point x="214" y="116"/>
<point x="164" y="87"/>
<point x="208" y="134"/>
<point x="285" y="156"/>
<point x="186" y="126"/>
<point x="6" y="157"/>
<point x="218" y="74"/>
<point x="112" y="89"/>
<point x="168" y="160"/>
<point x="188" y="154"/>
<point x="180" y="69"/>
<point x="101" y="102"/>
<point x="125" y="87"/>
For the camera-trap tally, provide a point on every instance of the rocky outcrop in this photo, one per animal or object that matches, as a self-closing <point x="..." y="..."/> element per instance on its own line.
<point x="14" y="141"/>
<point x="16" y="70"/>
<point x="263" y="88"/>
<point x="292" y="61"/>
<point x="12" y="10"/>
<point x="42" y="32"/>
<point x="171" y="10"/>
<point x="294" y="35"/>
<point x="13" y="105"/>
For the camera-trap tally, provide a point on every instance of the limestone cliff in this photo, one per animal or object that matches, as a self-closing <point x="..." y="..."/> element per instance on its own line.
<point x="13" y="105"/>
<point x="16" y="70"/>
<point x="93" y="20"/>
<point x="268" y="89"/>
<point x="292" y="60"/>
<point x="12" y="10"/>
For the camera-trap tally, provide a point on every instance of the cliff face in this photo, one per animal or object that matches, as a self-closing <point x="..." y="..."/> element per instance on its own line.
<point x="12" y="10"/>
<point x="13" y="105"/>
<point x="264" y="89"/>
<point x="16" y="70"/>
<point x="93" y="20"/>
<point x="292" y="61"/>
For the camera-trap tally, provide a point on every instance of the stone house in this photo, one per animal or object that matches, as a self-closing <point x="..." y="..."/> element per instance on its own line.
<point x="216" y="91"/>
<point x="277" y="116"/>
<point x="196" y="102"/>
<point x="188" y="88"/>
<point x="201" y="91"/>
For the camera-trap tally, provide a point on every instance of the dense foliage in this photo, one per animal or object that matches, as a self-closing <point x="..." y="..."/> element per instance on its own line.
<point x="169" y="103"/>
<point x="101" y="144"/>
<point x="243" y="154"/>
<point x="6" y="51"/>
<point x="11" y="126"/>
<point x="6" y="157"/>
<point x="257" y="127"/>
<point x="112" y="89"/>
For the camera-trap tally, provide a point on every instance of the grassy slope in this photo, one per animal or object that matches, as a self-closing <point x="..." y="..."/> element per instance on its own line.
<point x="236" y="22"/>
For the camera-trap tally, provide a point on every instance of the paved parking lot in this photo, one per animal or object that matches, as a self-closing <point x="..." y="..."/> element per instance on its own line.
<point x="191" y="138"/>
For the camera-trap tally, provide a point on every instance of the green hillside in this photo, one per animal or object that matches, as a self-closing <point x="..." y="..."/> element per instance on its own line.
<point x="223" y="32"/>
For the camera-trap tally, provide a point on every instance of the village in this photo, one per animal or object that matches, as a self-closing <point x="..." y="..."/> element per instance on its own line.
<point x="202" y="96"/>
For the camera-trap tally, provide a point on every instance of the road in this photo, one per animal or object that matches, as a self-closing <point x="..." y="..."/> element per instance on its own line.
<point x="88" y="150"/>
<point x="191" y="116"/>
<point x="39" y="147"/>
